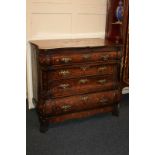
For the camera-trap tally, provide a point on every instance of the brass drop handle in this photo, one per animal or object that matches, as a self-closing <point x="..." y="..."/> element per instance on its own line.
<point x="66" y="107"/>
<point x="102" y="81"/>
<point x="86" y="56"/>
<point x="103" y="101"/>
<point x="64" y="72"/>
<point x="66" y="60"/>
<point x="83" y="81"/>
<point x="102" y="69"/>
<point x="84" y="67"/>
<point x="84" y="98"/>
<point x="105" y="57"/>
<point x="64" y="86"/>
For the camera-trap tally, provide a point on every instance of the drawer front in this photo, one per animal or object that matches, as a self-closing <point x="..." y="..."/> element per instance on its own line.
<point x="81" y="86"/>
<point x="80" y="102"/>
<point x="80" y="71"/>
<point x="78" y="57"/>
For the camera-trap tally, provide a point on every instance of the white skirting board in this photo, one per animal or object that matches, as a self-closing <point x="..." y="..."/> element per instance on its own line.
<point x="29" y="81"/>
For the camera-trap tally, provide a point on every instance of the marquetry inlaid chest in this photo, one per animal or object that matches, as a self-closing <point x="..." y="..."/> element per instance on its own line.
<point x="76" y="79"/>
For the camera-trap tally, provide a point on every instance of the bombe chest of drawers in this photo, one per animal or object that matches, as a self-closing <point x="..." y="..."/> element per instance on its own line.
<point x="76" y="79"/>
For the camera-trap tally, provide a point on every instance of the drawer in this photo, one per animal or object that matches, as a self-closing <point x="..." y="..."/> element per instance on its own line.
<point x="81" y="71"/>
<point x="80" y="102"/>
<point x="68" y="57"/>
<point x="80" y="86"/>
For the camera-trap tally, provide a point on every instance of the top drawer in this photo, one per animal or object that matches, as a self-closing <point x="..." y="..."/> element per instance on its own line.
<point x="77" y="56"/>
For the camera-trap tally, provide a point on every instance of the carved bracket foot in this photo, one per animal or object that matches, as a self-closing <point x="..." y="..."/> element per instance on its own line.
<point x="44" y="127"/>
<point x="115" y="111"/>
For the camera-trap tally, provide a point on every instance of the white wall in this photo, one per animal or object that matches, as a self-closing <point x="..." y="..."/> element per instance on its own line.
<point x="54" y="19"/>
<point x="66" y="18"/>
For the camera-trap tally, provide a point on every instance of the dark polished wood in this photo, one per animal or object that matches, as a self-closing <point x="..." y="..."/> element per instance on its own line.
<point x="125" y="74"/>
<point x="114" y="29"/>
<point x="82" y="85"/>
<point x="81" y="71"/>
<point x="79" y="115"/>
<point x="115" y="111"/>
<point x="71" y="56"/>
<point x="80" y="102"/>
<point x="85" y="83"/>
<point x="118" y="32"/>
<point x="47" y="45"/>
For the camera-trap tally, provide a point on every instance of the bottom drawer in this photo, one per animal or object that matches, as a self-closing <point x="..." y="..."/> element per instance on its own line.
<point x="80" y="102"/>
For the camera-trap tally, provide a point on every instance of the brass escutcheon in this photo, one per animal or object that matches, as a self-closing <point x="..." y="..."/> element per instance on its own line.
<point x="101" y="69"/>
<point x="105" y="57"/>
<point x="86" y="56"/>
<point x="66" y="107"/>
<point x="64" y="72"/>
<point x="64" y="86"/>
<point x="102" y="81"/>
<point x="84" y="98"/>
<point x="83" y="81"/>
<point x="66" y="60"/>
<point x="84" y="67"/>
<point x="103" y="101"/>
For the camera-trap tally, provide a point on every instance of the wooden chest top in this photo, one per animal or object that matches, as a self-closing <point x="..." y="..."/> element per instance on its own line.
<point x="69" y="43"/>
